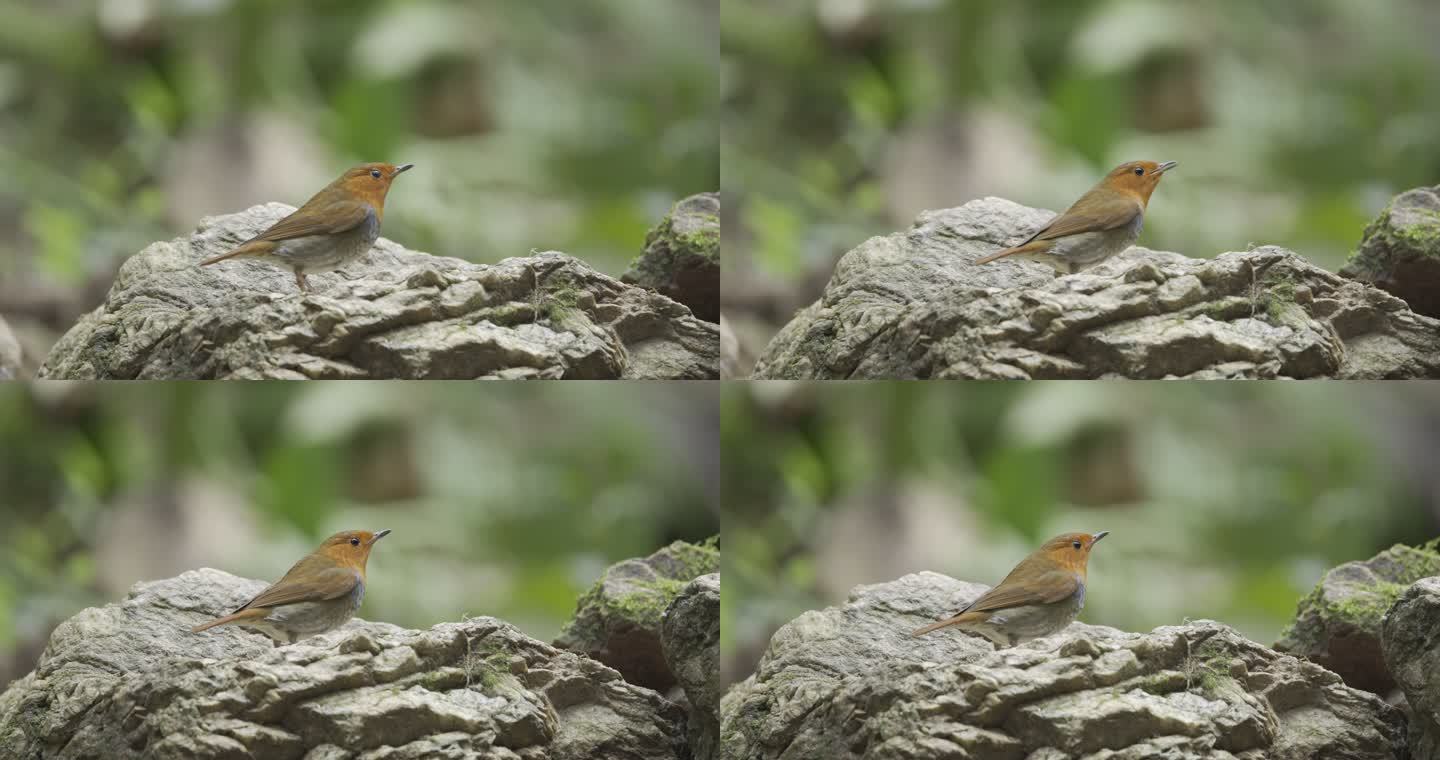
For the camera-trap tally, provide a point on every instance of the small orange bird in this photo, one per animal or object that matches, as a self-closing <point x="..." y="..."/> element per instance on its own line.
<point x="318" y="594"/>
<point x="333" y="228"/>
<point x="1105" y="221"/>
<point x="1042" y="595"/>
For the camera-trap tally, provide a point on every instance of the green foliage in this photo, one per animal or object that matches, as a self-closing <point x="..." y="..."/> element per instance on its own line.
<point x="591" y="122"/>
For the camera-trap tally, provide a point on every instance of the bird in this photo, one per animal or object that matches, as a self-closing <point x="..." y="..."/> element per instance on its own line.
<point x="1105" y="221"/>
<point x="336" y="226"/>
<point x="1042" y="595"/>
<point x="318" y="594"/>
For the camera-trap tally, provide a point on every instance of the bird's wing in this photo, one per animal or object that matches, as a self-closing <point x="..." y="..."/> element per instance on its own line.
<point x="1045" y="588"/>
<point x="1070" y="223"/>
<point x="320" y="585"/>
<point x="324" y="218"/>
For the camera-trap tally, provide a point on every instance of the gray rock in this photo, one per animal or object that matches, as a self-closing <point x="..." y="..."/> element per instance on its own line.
<point x="850" y="682"/>
<point x="729" y="352"/>
<point x="913" y="305"/>
<point x="682" y="256"/>
<point x="1338" y="624"/>
<point x="130" y="680"/>
<point x="1409" y="633"/>
<point x="690" y="636"/>
<point x="618" y="621"/>
<point x="1400" y="250"/>
<point x="396" y="314"/>
<point x="11" y="362"/>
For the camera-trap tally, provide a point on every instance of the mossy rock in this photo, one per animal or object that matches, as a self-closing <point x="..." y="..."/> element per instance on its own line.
<point x="618" y="621"/>
<point x="1338" y="624"/>
<point x="682" y="256"/>
<point x="1400" y="250"/>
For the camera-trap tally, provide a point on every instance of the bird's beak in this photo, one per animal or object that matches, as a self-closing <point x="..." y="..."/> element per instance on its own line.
<point x="1093" y="539"/>
<point x="1165" y="167"/>
<point x="402" y="168"/>
<point x="379" y="535"/>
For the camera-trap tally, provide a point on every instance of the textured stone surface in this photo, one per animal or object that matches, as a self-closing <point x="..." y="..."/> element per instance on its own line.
<point x="690" y="637"/>
<point x="1400" y="251"/>
<point x="395" y="314"/>
<point x="682" y="256"/>
<point x="913" y="305"/>
<point x="10" y="359"/>
<point x="849" y="682"/>
<point x="1338" y="624"/>
<point x="1413" y="657"/>
<point x="130" y="680"/>
<point x="618" y="621"/>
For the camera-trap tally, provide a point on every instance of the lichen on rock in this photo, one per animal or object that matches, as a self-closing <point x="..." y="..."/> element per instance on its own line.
<point x="914" y="305"/>
<point x="1408" y="633"/>
<point x="682" y="256"/>
<point x="1400" y="250"/>
<point x="690" y="636"/>
<point x="396" y="313"/>
<point x="618" y="621"/>
<point x="1338" y="625"/>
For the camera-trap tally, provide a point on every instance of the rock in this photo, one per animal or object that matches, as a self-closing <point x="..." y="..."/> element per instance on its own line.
<point x="690" y="637"/>
<point x="1408" y="633"/>
<point x="396" y="314"/>
<point x="130" y="680"/>
<point x="682" y="256"/>
<point x="729" y="353"/>
<point x="1400" y="250"/>
<point x="11" y="361"/>
<point x="850" y="682"/>
<point x="913" y="305"/>
<point x="618" y="621"/>
<point x="1338" y="625"/>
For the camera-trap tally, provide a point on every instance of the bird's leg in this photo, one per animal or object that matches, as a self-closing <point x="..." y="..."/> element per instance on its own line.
<point x="300" y="280"/>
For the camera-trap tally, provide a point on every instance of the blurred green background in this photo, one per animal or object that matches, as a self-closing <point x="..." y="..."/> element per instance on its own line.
<point x="544" y="124"/>
<point x="1293" y="122"/>
<point x="503" y="501"/>
<point x="1224" y="501"/>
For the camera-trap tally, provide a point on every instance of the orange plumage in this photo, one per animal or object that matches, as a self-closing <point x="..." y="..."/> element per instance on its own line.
<point x="336" y="226"/>
<point x="319" y="593"/>
<point x="1105" y="221"/>
<point x="1042" y="595"/>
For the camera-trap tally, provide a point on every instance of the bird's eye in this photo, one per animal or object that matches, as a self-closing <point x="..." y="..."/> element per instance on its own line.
<point x="375" y="173"/>
<point x="1075" y="544"/>
<point x="1139" y="171"/>
<point x="356" y="542"/>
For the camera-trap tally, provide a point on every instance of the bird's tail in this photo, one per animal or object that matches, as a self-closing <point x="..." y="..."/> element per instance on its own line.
<point x="964" y="617"/>
<point x="242" y="615"/>
<point x="1027" y="248"/>
<point x="254" y="248"/>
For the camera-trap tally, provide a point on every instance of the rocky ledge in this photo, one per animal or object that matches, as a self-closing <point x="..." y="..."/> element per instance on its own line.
<point x="914" y="305"/>
<point x="850" y="682"/>
<point x="129" y="680"/>
<point x="395" y="314"/>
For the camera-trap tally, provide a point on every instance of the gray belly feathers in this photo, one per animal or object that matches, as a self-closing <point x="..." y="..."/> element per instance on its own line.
<point x="322" y="253"/>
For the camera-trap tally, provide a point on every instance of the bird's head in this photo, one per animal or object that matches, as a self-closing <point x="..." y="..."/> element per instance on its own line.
<point x="1138" y="177"/>
<point x="1072" y="550"/>
<point x="372" y="181"/>
<point x="351" y="547"/>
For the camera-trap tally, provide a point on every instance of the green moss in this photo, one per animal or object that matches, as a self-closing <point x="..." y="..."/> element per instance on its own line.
<point x="1382" y="239"/>
<point x="1366" y="607"/>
